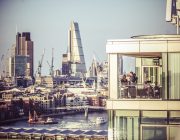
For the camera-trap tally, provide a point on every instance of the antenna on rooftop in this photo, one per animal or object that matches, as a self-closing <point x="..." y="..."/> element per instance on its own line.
<point x="16" y="29"/>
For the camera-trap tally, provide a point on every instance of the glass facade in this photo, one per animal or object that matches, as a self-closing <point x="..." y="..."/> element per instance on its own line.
<point x="174" y="75"/>
<point x="75" y="50"/>
<point x="20" y="65"/>
<point x="144" y="125"/>
<point x="154" y="133"/>
<point x="123" y="125"/>
<point x="171" y="75"/>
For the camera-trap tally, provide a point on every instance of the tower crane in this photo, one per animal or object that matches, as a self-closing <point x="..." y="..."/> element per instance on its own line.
<point x="40" y="64"/>
<point x="51" y="71"/>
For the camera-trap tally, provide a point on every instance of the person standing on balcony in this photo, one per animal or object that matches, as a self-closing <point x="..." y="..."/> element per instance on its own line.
<point x="148" y="89"/>
<point x="124" y="80"/>
<point x="133" y="78"/>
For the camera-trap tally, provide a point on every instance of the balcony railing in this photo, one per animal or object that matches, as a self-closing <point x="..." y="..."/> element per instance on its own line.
<point x="140" y="91"/>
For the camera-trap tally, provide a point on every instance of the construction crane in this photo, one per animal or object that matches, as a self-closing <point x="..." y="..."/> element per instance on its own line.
<point x="40" y="64"/>
<point x="51" y="70"/>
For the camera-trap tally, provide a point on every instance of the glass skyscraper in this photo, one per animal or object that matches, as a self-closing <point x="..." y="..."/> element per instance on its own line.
<point x="25" y="47"/>
<point x="75" y="50"/>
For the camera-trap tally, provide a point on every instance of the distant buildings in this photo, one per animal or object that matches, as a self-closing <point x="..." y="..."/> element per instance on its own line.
<point x="73" y="62"/>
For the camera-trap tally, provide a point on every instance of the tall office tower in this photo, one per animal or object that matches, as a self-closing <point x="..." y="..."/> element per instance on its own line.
<point x="75" y="50"/>
<point x="24" y="47"/>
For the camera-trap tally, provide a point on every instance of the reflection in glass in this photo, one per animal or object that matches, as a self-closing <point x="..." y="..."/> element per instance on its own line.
<point x="154" y="133"/>
<point x="126" y="125"/>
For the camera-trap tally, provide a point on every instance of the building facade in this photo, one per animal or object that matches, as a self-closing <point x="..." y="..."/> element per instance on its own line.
<point x="135" y="112"/>
<point x="24" y="47"/>
<point x="65" y="65"/>
<point x="20" y="65"/>
<point x="75" y="55"/>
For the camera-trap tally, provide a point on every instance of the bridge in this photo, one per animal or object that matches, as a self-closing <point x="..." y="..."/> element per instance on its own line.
<point x="78" y="107"/>
<point x="85" y="108"/>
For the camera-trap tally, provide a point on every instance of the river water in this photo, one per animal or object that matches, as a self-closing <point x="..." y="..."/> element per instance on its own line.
<point x="73" y="121"/>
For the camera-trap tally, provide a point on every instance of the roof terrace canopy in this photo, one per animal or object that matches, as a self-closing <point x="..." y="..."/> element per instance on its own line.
<point x="144" y="46"/>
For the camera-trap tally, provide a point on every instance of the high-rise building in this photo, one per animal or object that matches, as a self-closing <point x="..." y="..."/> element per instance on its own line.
<point x="75" y="50"/>
<point x="24" y="47"/>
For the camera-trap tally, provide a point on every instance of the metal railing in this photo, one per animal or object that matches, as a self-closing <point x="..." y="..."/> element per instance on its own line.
<point x="140" y="91"/>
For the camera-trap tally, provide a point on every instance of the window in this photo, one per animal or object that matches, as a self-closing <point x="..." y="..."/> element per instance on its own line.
<point x="174" y="117"/>
<point x="126" y="124"/>
<point x="154" y="117"/>
<point x="154" y="133"/>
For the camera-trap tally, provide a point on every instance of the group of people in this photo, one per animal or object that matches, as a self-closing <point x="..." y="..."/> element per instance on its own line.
<point x="131" y="78"/>
<point x="151" y="91"/>
<point x="148" y="89"/>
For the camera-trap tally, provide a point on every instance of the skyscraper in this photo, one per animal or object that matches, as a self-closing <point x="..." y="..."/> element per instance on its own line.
<point x="75" y="50"/>
<point x="24" y="48"/>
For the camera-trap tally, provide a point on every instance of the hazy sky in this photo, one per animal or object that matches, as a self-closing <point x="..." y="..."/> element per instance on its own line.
<point x="99" y="20"/>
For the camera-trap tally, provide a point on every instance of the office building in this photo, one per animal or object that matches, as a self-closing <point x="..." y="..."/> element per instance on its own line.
<point x="75" y="51"/>
<point x="19" y="65"/>
<point x="24" y="47"/>
<point x="135" y="112"/>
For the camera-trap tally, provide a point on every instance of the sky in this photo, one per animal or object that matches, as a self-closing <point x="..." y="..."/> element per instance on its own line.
<point x="99" y="20"/>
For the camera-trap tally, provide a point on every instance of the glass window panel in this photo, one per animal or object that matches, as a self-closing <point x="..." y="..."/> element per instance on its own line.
<point x="164" y="76"/>
<point x="174" y="117"/>
<point x="154" y="117"/>
<point x="174" y="75"/>
<point x="154" y="133"/>
<point x="125" y="127"/>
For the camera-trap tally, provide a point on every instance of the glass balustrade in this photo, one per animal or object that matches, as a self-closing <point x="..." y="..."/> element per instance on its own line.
<point x="140" y="91"/>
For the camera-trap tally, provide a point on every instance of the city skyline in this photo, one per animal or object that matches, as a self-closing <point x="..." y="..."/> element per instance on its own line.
<point x="48" y="23"/>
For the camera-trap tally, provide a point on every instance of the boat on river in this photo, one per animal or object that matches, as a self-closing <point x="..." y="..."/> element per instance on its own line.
<point x="100" y="120"/>
<point x="50" y="120"/>
<point x="35" y="119"/>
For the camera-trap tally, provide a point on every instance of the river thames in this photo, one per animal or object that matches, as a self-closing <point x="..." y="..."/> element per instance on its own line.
<point x="73" y="121"/>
